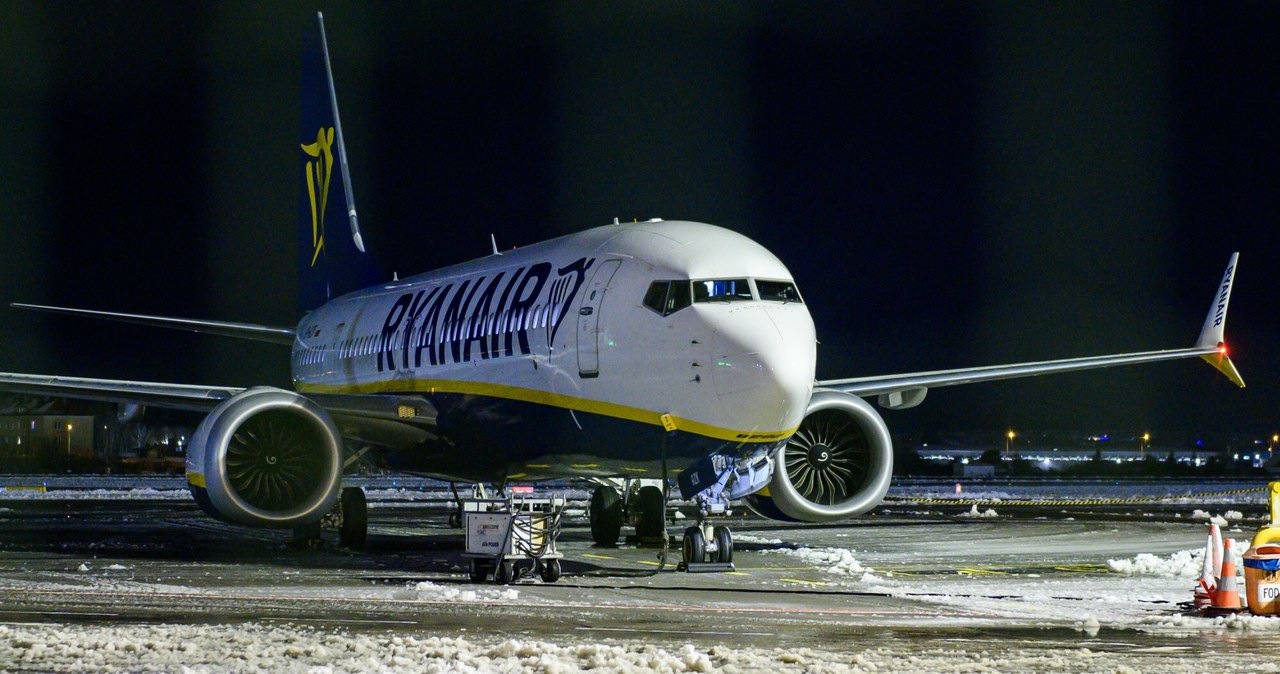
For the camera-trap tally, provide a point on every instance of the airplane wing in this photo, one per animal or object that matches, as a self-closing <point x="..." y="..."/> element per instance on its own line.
<point x="261" y="333"/>
<point x="901" y="391"/>
<point x="389" y="420"/>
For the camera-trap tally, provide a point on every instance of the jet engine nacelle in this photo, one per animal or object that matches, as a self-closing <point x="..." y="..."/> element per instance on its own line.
<point x="268" y="458"/>
<point x="837" y="465"/>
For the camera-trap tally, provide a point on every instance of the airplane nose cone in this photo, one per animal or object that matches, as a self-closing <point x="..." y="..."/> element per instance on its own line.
<point x="763" y="366"/>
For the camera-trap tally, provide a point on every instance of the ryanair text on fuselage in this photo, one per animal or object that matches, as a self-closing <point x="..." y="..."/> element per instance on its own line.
<point x="483" y="317"/>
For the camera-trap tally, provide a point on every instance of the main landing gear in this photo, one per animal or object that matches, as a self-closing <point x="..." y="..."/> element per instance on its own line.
<point x="705" y="547"/>
<point x="646" y="508"/>
<point x="349" y="517"/>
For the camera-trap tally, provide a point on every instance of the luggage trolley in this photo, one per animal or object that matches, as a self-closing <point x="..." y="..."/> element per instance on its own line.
<point x="504" y="531"/>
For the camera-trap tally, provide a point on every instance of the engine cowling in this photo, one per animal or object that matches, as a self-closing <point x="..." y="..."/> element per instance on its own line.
<point x="837" y="465"/>
<point x="268" y="458"/>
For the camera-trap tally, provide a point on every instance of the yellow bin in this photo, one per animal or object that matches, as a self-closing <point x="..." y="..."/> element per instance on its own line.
<point x="1262" y="578"/>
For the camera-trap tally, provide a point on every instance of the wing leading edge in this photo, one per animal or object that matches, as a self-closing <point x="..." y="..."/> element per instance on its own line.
<point x="900" y="391"/>
<point x="261" y="333"/>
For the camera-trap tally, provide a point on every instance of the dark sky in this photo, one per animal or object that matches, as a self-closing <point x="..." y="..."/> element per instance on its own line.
<point x="952" y="184"/>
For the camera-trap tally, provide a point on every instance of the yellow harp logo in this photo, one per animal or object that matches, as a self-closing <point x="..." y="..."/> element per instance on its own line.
<point x="319" y="168"/>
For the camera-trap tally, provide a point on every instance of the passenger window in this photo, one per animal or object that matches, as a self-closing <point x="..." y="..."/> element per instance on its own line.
<point x="778" y="291"/>
<point x="722" y="290"/>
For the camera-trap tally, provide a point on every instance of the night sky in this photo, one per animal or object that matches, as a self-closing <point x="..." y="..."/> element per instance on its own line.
<point x="952" y="184"/>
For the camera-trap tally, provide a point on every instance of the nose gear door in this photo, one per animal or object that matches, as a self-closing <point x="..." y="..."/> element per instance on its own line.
<point x="589" y="320"/>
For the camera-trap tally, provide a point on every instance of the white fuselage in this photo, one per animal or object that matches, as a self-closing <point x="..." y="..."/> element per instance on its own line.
<point x="573" y="330"/>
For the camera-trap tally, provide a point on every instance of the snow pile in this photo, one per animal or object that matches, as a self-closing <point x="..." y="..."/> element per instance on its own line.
<point x="977" y="514"/>
<point x="756" y="540"/>
<point x="1215" y="519"/>
<point x="1181" y="564"/>
<point x="1233" y="515"/>
<point x="430" y="591"/>
<point x="833" y="560"/>
<point x="288" y="649"/>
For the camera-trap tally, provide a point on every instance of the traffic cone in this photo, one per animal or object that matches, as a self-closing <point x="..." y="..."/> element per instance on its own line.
<point x="1215" y="534"/>
<point x="1227" y="598"/>
<point x="1208" y="582"/>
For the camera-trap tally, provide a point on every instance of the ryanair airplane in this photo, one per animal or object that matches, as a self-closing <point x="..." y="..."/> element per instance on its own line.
<point x="612" y="355"/>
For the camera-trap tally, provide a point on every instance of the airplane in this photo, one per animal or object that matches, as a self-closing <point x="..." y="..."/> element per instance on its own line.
<point x="615" y="355"/>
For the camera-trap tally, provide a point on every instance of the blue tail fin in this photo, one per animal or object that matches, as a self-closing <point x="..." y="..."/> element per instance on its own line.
<point x="332" y="260"/>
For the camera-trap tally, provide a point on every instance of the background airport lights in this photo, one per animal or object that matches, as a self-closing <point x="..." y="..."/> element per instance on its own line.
<point x="1142" y="448"/>
<point x="1008" y="440"/>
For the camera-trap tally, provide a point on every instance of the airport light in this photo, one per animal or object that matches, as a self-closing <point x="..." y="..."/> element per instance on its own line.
<point x="1008" y="440"/>
<point x="1274" y="439"/>
<point x="68" y="444"/>
<point x="1142" y="449"/>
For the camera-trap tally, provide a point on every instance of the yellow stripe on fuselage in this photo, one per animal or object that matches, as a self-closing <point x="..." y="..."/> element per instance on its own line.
<point x="550" y="399"/>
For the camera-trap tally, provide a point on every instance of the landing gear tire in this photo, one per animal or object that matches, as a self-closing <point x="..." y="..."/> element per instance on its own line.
<point x="694" y="547"/>
<point x="651" y="509"/>
<point x="606" y="516"/>
<point x="550" y="570"/>
<point x="478" y="571"/>
<point x="355" y="518"/>
<point x="724" y="544"/>
<point x="455" y="520"/>
<point x="505" y="573"/>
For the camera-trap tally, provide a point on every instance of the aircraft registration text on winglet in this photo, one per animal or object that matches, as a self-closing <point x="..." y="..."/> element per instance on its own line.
<point x="901" y="391"/>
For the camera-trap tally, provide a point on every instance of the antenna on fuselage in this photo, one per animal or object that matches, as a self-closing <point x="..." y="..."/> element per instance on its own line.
<point x="342" y="147"/>
<point x="494" y="240"/>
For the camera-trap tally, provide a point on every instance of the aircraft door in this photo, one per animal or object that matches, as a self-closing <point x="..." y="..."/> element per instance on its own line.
<point x="589" y="320"/>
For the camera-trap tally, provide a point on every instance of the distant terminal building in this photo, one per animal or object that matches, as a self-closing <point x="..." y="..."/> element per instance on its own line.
<point x="42" y="435"/>
<point x="36" y="442"/>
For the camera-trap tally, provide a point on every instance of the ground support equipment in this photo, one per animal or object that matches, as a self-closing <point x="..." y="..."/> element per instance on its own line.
<point x="504" y="532"/>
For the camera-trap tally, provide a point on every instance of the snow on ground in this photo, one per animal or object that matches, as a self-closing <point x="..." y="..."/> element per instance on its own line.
<point x="1181" y="564"/>
<point x="141" y="493"/>
<point x="983" y="514"/>
<point x="1250" y="492"/>
<point x="432" y="592"/>
<point x="289" y="649"/>
<point x="756" y="540"/>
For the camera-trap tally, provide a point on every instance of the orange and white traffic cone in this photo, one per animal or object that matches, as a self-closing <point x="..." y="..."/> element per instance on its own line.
<point x="1227" y="598"/>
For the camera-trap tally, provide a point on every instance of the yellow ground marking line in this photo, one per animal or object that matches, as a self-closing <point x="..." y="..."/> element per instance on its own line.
<point x="587" y="554"/>
<point x="802" y="582"/>
<point x="966" y="571"/>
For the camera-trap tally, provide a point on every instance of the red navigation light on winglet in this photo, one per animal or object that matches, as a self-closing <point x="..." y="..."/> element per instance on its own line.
<point x="1222" y="348"/>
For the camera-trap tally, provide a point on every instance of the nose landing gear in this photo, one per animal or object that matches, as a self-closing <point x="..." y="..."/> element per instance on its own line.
<point x="707" y="547"/>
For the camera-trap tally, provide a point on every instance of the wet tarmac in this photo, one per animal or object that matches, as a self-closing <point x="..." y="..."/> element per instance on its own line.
<point x="906" y="577"/>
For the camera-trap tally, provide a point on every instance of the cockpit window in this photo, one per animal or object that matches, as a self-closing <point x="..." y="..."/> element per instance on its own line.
<point x="667" y="297"/>
<point x="722" y="290"/>
<point x="778" y="291"/>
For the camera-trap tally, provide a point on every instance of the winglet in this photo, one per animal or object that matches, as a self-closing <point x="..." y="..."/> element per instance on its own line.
<point x="342" y="147"/>
<point x="1215" y="324"/>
